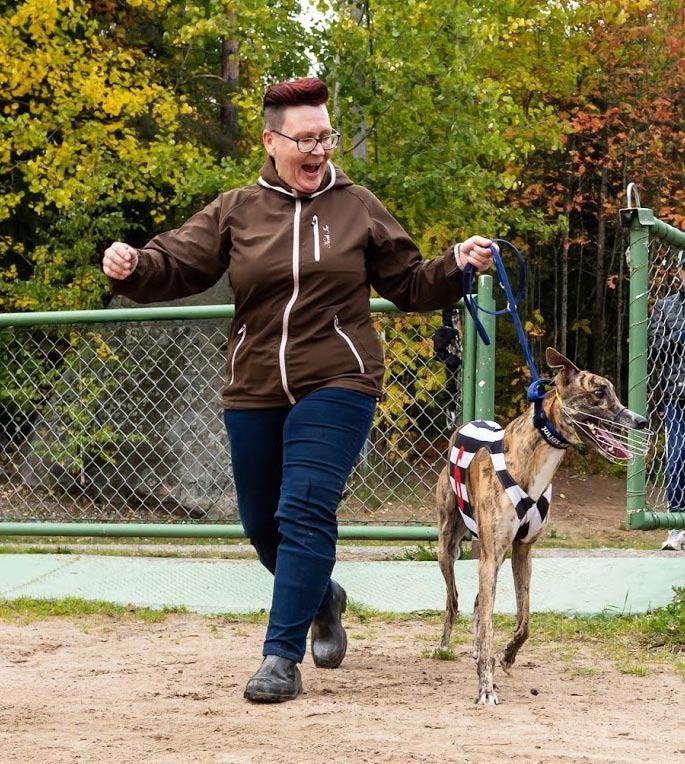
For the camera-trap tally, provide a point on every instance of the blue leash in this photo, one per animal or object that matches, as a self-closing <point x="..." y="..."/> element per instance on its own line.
<point x="538" y="387"/>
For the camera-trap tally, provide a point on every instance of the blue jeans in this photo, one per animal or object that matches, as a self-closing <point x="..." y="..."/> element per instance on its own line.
<point x="290" y="466"/>
<point x="674" y="413"/>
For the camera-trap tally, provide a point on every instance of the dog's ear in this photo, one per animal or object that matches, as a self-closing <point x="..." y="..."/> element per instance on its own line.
<point x="558" y="361"/>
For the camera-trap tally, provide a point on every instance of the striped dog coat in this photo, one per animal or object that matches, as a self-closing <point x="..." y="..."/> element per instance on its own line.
<point x="532" y="515"/>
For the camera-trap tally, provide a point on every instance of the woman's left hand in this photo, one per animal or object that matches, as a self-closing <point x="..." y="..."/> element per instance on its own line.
<point x="476" y="251"/>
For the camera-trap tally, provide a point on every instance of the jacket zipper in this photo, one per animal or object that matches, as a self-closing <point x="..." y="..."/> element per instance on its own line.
<point x="242" y="332"/>
<point x="336" y="325"/>
<point x="315" y="226"/>
<point x="291" y="301"/>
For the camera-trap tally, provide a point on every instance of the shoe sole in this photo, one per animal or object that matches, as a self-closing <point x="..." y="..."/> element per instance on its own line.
<point x="270" y="697"/>
<point x="267" y="698"/>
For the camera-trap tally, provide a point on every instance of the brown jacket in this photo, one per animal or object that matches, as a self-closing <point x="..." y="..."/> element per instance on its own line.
<point x="301" y="268"/>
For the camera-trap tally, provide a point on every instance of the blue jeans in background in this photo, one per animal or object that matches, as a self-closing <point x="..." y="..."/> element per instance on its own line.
<point x="290" y="466"/>
<point x="674" y="414"/>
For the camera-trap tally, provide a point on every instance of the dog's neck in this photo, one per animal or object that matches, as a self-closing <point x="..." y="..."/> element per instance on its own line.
<point x="531" y="461"/>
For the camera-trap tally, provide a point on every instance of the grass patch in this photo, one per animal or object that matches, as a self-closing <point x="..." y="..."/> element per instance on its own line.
<point x="420" y="553"/>
<point x="440" y="654"/>
<point x="185" y="551"/>
<point x="29" y="609"/>
<point x="256" y="616"/>
<point x="363" y="613"/>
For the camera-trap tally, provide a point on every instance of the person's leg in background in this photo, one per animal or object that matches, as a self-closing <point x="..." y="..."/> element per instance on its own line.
<point x="322" y="436"/>
<point x="675" y="469"/>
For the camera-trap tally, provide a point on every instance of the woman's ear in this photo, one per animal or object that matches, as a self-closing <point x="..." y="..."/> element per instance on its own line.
<point x="268" y="141"/>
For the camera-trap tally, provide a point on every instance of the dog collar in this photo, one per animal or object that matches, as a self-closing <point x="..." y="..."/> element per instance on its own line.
<point x="547" y="430"/>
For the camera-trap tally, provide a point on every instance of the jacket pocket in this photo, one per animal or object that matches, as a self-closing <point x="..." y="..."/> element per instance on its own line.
<point x="350" y="344"/>
<point x="317" y="245"/>
<point x="242" y="333"/>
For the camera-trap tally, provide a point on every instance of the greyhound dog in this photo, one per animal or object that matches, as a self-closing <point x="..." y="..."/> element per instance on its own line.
<point x="502" y="489"/>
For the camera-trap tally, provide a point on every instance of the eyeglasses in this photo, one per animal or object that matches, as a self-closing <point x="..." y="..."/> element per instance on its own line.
<point x="307" y="145"/>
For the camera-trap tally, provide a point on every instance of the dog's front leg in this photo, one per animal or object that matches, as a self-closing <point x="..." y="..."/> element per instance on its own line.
<point x="521" y="565"/>
<point x="485" y="661"/>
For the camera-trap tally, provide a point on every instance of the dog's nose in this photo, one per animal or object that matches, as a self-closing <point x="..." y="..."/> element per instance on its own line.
<point x="640" y="422"/>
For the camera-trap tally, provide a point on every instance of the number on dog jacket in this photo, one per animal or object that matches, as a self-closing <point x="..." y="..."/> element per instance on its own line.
<point x="470" y="439"/>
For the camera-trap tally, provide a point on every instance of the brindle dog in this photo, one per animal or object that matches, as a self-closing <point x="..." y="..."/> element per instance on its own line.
<point x="577" y="401"/>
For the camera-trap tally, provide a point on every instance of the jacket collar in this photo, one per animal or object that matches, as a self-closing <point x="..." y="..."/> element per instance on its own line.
<point x="269" y="178"/>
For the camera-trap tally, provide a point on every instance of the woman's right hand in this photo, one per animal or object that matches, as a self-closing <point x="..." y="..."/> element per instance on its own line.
<point x="119" y="261"/>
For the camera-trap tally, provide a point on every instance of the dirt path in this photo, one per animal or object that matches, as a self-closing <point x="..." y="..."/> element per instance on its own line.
<point x="89" y="690"/>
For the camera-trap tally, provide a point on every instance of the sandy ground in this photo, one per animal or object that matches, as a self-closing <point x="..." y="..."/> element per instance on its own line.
<point x="93" y="690"/>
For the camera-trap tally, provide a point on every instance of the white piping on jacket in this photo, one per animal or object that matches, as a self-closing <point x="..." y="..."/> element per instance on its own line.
<point x="242" y="331"/>
<point x="317" y="250"/>
<point x="347" y="339"/>
<point x="296" y="274"/>
<point x="291" y="301"/>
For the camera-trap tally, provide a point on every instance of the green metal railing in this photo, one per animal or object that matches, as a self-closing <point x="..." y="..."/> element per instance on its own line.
<point x="477" y="402"/>
<point x="652" y="261"/>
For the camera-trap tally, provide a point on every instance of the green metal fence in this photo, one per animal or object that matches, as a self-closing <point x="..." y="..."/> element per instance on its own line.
<point x="110" y="424"/>
<point x="653" y="263"/>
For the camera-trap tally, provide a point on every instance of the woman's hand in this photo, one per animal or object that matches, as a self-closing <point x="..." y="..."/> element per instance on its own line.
<point x="120" y="260"/>
<point x="476" y="251"/>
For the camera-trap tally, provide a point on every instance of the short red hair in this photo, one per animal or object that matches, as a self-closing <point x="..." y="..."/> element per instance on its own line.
<point x="307" y="91"/>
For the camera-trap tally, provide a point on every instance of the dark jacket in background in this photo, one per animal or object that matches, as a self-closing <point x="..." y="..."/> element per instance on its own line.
<point x="667" y="344"/>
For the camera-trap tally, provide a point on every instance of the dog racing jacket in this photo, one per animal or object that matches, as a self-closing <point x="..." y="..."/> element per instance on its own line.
<point x="532" y="515"/>
<point x="301" y="268"/>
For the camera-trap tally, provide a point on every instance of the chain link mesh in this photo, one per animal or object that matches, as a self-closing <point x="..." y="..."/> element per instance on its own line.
<point x="121" y="423"/>
<point x="664" y="281"/>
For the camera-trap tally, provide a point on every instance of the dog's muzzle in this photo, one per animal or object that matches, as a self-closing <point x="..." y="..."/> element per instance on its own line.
<point x="621" y="439"/>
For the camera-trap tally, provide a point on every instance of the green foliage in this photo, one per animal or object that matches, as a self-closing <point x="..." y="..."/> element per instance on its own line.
<point x="107" y="130"/>
<point x="445" y="143"/>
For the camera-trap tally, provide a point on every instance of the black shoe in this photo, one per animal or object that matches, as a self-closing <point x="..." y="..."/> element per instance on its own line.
<point x="329" y="641"/>
<point x="277" y="679"/>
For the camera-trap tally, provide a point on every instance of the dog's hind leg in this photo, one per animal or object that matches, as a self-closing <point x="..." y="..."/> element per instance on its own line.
<point x="521" y="565"/>
<point x="451" y="530"/>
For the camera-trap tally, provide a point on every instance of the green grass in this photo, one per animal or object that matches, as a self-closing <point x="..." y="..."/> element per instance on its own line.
<point x="185" y="551"/>
<point x="420" y="553"/>
<point x="632" y="641"/>
<point x="440" y="654"/>
<point x="26" y="608"/>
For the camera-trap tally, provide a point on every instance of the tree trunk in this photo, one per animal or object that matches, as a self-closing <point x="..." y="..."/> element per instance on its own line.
<point x="598" y="339"/>
<point x="230" y="71"/>
<point x="565" y="246"/>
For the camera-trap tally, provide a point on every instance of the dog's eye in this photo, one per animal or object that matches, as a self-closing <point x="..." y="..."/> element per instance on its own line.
<point x="600" y="392"/>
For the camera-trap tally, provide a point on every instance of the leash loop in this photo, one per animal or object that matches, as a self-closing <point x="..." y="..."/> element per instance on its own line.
<point x="538" y="387"/>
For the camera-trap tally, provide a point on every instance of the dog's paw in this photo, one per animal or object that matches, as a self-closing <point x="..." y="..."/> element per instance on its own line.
<point x="506" y="665"/>
<point x="487" y="698"/>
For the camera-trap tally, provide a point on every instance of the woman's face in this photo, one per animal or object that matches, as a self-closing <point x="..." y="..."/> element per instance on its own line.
<point x="302" y="172"/>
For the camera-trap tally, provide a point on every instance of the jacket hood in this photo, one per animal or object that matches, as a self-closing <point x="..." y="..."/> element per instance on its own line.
<point x="269" y="178"/>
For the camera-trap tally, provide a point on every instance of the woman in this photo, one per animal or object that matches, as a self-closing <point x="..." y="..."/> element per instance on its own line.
<point x="303" y="246"/>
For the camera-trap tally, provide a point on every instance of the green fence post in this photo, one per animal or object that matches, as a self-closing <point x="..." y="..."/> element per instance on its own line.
<point x="638" y="264"/>
<point x="485" y="355"/>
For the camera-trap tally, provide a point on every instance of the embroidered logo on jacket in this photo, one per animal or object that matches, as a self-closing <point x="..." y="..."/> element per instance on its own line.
<point x="326" y="238"/>
<point x="532" y="515"/>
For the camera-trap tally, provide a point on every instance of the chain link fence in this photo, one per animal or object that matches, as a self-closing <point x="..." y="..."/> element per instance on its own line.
<point x="666" y="366"/>
<point x="120" y="423"/>
<point x="656" y="375"/>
